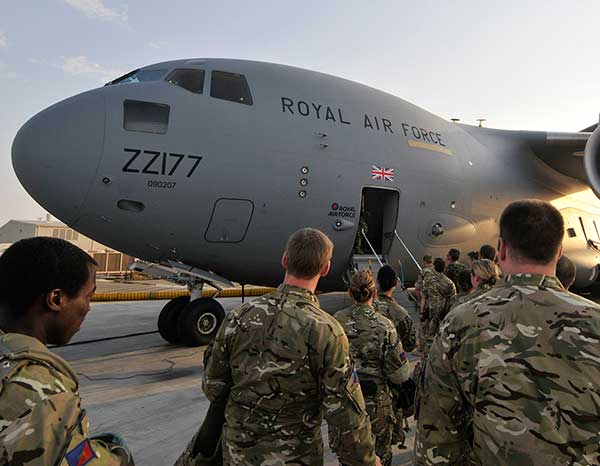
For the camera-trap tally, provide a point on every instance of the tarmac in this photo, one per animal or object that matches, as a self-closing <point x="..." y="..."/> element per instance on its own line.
<point x="134" y="383"/>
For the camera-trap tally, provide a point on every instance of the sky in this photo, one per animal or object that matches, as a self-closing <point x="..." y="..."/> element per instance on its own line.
<point x="520" y="64"/>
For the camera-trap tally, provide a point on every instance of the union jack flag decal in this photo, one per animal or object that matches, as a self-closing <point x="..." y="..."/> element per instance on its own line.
<point x="381" y="173"/>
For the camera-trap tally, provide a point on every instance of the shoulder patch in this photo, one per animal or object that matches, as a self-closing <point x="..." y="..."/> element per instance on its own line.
<point x="81" y="455"/>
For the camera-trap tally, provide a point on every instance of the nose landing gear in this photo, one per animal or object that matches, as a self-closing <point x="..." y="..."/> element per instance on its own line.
<point x="190" y="320"/>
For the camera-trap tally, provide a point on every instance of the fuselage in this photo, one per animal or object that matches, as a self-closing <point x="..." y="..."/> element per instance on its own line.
<point x="163" y="173"/>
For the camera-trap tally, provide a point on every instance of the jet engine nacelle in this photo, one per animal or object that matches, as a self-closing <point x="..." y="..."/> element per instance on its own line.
<point x="586" y="266"/>
<point x="591" y="161"/>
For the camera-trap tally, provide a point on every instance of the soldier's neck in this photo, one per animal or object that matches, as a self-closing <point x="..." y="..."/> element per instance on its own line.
<point x="514" y="268"/>
<point x="310" y="285"/>
<point x="387" y="293"/>
<point x="30" y="328"/>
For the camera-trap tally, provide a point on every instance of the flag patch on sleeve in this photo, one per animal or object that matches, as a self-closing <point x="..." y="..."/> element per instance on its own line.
<point x="81" y="455"/>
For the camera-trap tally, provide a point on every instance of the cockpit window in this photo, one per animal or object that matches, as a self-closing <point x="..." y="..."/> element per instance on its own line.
<point x="230" y="86"/>
<point x="189" y="79"/>
<point x="138" y="76"/>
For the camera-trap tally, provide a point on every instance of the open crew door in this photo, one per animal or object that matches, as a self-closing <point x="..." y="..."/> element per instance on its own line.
<point x="378" y="216"/>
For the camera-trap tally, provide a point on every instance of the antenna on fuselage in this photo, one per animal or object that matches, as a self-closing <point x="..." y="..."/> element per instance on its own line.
<point x="481" y="120"/>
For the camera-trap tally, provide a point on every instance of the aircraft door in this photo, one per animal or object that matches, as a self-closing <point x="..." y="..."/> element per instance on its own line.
<point x="378" y="216"/>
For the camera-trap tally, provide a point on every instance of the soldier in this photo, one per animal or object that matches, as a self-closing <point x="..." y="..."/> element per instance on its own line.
<point x="513" y="378"/>
<point x="472" y="257"/>
<point x="453" y="267"/>
<point x="484" y="276"/>
<point x="45" y="290"/>
<point x="389" y="307"/>
<point x="487" y="251"/>
<point x="379" y="356"/>
<point x="565" y="271"/>
<point x="465" y="284"/>
<point x="437" y="293"/>
<point x="281" y="363"/>
<point x="427" y="267"/>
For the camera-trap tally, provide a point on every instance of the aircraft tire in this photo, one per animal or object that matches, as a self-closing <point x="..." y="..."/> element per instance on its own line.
<point x="199" y="321"/>
<point x="169" y="317"/>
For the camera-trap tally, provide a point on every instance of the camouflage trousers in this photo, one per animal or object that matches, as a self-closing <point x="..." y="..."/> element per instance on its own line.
<point x="426" y="336"/>
<point x="244" y="447"/>
<point x="381" y="414"/>
<point x="398" y="432"/>
<point x="419" y="378"/>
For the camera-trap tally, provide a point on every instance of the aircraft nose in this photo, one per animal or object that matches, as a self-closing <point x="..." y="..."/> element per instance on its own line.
<point x="57" y="152"/>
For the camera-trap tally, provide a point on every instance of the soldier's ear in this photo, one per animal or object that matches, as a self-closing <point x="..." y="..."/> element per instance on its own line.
<point x="501" y="250"/>
<point x="284" y="260"/>
<point x="560" y="252"/>
<point x="325" y="269"/>
<point x="53" y="300"/>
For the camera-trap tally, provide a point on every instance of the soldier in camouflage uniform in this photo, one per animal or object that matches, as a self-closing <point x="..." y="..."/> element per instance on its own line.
<point x="281" y="364"/>
<point x="45" y="290"/>
<point x="427" y="267"/>
<point x="379" y="356"/>
<point x="513" y="377"/>
<point x="453" y="267"/>
<point x="385" y="303"/>
<point x="389" y="307"/>
<point x="437" y="292"/>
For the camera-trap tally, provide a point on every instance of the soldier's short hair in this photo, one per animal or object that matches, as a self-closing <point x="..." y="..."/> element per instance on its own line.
<point x="362" y="286"/>
<point x="473" y="255"/>
<point x="387" y="278"/>
<point x="33" y="267"/>
<point x="428" y="259"/>
<point x="533" y="230"/>
<point x="565" y="271"/>
<point x="439" y="264"/>
<point x="454" y="254"/>
<point x="487" y="251"/>
<point x="308" y="251"/>
<point x="464" y="280"/>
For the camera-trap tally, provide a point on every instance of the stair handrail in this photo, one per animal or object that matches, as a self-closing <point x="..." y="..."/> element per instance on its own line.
<point x="408" y="251"/>
<point x="362" y="232"/>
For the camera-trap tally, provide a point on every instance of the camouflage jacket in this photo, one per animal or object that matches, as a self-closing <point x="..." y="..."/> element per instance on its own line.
<point x="390" y="308"/>
<point x="421" y="276"/>
<point x="374" y="345"/>
<point x="283" y="363"/>
<point x="438" y="291"/>
<point x="465" y="298"/>
<point x="41" y="419"/>
<point x="513" y="379"/>
<point x="453" y="270"/>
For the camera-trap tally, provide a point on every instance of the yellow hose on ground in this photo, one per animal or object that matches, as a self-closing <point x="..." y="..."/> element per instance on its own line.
<point x="170" y="294"/>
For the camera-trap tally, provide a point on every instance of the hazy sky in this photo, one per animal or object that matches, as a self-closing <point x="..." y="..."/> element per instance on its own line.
<point x="522" y="64"/>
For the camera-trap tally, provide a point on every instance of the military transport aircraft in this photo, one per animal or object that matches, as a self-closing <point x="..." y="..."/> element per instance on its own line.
<point x="203" y="167"/>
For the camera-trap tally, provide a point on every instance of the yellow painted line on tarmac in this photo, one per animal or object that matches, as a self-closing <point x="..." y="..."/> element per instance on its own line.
<point x="423" y="145"/>
<point x="171" y="294"/>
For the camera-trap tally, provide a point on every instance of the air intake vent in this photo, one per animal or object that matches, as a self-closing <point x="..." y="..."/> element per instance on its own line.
<point x="131" y="206"/>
